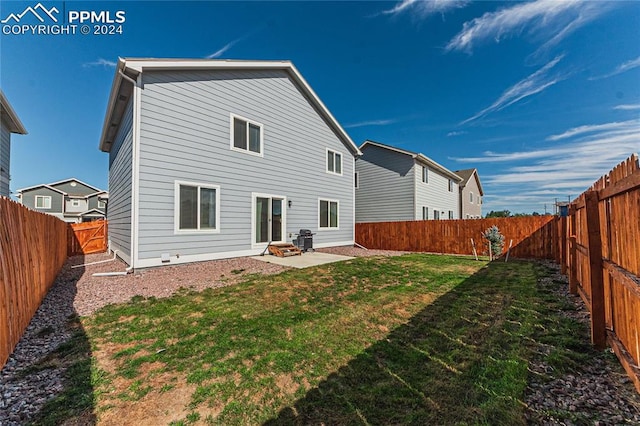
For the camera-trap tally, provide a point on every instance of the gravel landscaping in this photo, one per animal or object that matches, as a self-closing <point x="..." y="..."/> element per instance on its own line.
<point x="600" y="393"/>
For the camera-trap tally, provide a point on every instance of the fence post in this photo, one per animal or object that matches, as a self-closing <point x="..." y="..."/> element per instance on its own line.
<point x="563" y="247"/>
<point x="598" y="329"/>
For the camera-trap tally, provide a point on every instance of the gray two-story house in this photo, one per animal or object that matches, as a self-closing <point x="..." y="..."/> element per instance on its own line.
<point x="9" y="123"/>
<point x="394" y="184"/>
<point x="212" y="159"/>
<point x="70" y="200"/>
<point x="471" y="194"/>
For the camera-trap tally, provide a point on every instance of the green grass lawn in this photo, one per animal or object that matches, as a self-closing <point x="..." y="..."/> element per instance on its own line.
<point x="416" y="339"/>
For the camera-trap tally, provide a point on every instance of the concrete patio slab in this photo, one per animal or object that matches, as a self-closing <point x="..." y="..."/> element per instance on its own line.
<point x="307" y="259"/>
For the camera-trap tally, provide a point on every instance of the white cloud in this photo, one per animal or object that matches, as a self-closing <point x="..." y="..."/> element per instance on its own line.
<point x="554" y="19"/>
<point x="229" y="45"/>
<point x="456" y="133"/>
<point x="535" y="83"/>
<point x="579" y="158"/>
<point x="425" y="8"/>
<point x="101" y="62"/>
<point x="580" y="130"/>
<point x="370" y="123"/>
<point x="627" y="107"/>
<point x="629" y="65"/>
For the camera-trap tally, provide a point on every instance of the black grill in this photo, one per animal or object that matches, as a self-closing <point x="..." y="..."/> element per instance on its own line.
<point x="305" y="240"/>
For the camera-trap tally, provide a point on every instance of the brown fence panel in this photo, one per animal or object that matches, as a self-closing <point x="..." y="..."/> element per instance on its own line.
<point x="532" y="236"/>
<point x="87" y="238"/>
<point x="611" y="290"/>
<point x="33" y="248"/>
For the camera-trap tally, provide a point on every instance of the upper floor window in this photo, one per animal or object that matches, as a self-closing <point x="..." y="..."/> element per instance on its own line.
<point x="425" y="174"/>
<point x="471" y="197"/>
<point x="450" y="185"/>
<point x="356" y="178"/>
<point x="75" y="203"/>
<point x="43" y="201"/>
<point x="246" y="135"/>
<point x="334" y="162"/>
<point x="101" y="204"/>
<point x="450" y="214"/>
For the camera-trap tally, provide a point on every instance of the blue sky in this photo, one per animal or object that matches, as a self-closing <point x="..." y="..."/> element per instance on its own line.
<point x="542" y="97"/>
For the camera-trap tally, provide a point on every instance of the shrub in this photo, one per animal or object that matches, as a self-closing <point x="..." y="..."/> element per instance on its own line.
<point x="496" y="239"/>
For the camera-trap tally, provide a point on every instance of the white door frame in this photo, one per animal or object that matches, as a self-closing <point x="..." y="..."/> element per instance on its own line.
<point x="254" y="196"/>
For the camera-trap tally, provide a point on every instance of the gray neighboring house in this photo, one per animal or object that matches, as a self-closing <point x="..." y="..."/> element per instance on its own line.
<point x="70" y="200"/>
<point x="394" y="184"/>
<point x="212" y="159"/>
<point x="9" y="123"/>
<point x="471" y="194"/>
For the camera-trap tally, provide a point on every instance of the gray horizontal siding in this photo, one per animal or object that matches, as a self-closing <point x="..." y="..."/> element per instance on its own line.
<point x="93" y="203"/>
<point x="5" y="159"/>
<point x="77" y="189"/>
<point x="120" y="178"/>
<point x="185" y="135"/>
<point x="57" y="199"/>
<point x="385" y="190"/>
<point x="472" y="209"/>
<point x="435" y="194"/>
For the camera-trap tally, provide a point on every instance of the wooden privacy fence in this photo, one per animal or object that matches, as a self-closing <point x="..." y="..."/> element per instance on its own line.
<point x="33" y="248"/>
<point x="533" y="236"/>
<point x="87" y="238"/>
<point x="600" y="249"/>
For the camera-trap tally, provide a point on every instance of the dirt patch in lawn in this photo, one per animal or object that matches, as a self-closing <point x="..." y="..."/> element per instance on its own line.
<point x="167" y="402"/>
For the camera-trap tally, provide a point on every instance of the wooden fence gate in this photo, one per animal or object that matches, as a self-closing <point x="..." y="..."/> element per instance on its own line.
<point x="87" y="238"/>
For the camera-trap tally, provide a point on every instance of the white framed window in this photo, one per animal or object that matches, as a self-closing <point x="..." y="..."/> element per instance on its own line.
<point x="471" y="197"/>
<point x="246" y="135"/>
<point x="356" y="180"/>
<point x="101" y="204"/>
<point x="450" y="185"/>
<point x="197" y="207"/>
<point x="334" y="162"/>
<point x="75" y="203"/>
<point x="436" y="214"/>
<point x="43" y="201"/>
<point x="425" y="213"/>
<point x="467" y="216"/>
<point x="328" y="213"/>
<point x="479" y="199"/>
<point x="450" y="214"/>
<point x="425" y="174"/>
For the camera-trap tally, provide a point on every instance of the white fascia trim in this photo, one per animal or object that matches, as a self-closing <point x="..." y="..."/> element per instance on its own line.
<point x="135" y="202"/>
<point x="78" y="181"/>
<point x="416" y="155"/>
<point x="16" y="125"/>
<point x="140" y="64"/>
<point x="44" y="185"/>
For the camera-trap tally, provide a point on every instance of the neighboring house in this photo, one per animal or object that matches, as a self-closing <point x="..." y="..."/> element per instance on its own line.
<point x="471" y="194"/>
<point x="212" y="159"/>
<point x="394" y="184"/>
<point x="70" y="200"/>
<point x="9" y="123"/>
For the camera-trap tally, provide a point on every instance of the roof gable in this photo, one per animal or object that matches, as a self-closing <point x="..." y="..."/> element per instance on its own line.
<point x="128" y="70"/>
<point x="56" y="186"/>
<point x="466" y="174"/>
<point x="421" y="158"/>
